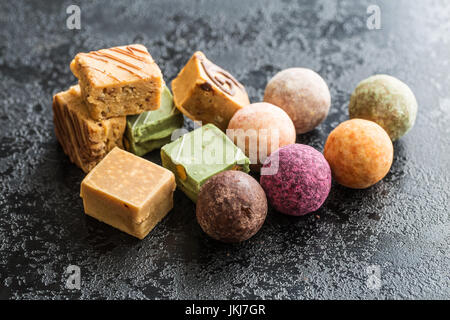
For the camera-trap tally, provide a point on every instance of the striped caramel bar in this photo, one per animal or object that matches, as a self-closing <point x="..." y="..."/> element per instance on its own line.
<point x="205" y="92"/>
<point x="118" y="81"/>
<point x="83" y="139"/>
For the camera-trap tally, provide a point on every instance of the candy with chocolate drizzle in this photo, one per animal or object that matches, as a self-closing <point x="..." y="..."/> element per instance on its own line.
<point x="205" y="92"/>
<point x="118" y="81"/>
<point x="221" y="78"/>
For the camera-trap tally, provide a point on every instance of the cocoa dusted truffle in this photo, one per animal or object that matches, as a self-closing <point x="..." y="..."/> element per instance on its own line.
<point x="303" y="94"/>
<point x="231" y="206"/>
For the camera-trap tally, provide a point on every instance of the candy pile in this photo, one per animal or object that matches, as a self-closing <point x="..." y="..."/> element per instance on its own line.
<point x="121" y="101"/>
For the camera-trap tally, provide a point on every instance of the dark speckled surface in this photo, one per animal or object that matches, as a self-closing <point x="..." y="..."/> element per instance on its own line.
<point x="401" y="224"/>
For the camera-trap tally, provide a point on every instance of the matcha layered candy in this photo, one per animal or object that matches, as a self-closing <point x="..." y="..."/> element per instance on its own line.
<point x="387" y="101"/>
<point x="200" y="154"/>
<point x="153" y="129"/>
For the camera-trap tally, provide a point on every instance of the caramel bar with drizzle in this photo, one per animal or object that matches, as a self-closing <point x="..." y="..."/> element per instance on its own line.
<point x="118" y="81"/>
<point x="205" y="92"/>
<point x="85" y="141"/>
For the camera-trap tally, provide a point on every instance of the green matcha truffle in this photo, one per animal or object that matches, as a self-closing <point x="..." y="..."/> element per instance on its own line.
<point x="387" y="101"/>
<point x="153" y="129"/>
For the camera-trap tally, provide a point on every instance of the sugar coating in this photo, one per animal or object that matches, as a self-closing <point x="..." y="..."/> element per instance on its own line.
<point x="386" y="101"/>
<point x="303" y="180"/>
<point x="271" y="125"/>
<point x="359" y="152"/>
<point x="303" y="94"/>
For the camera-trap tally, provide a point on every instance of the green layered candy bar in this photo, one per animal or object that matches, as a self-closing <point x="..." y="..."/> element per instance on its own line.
<point x="152" y="129"/>
<point x="200" y="154"/>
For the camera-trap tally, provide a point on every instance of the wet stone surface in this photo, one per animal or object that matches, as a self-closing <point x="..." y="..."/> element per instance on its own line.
<point x="400" y="225"/>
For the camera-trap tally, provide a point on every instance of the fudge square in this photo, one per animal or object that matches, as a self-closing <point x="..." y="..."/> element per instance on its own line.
<point x="200" y="154"/>
<point x="118" y="81"/>
<point x="128" y="192"/>
<point x="205" y="92"/>
<point x="84" y="140"/>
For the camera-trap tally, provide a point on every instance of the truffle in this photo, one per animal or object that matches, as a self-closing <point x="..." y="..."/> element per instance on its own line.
<point x="302" y="182"/>
<point x="359" y="152"/>
<point x="231" y="206"/>
<point x="386" y="101"/>
<point x="259" y="129"/>
<point x="303" y="94"/>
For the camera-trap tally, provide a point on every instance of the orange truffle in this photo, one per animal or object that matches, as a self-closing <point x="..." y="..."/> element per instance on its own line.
<point x="359" y="152"/>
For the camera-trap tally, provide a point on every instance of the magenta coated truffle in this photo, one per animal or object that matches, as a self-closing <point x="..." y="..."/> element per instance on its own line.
<point x="302" y="182"/>
<point x="231" y="206"/>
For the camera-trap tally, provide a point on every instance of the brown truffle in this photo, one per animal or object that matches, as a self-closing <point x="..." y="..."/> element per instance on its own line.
<point x="303" y="94"/>
<point x="231" y="206"/>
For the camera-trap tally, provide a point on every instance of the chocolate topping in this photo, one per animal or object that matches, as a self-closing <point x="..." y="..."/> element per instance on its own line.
<point x="106" y="56"/>
<point x="206" y="86"/>
<point x="221" y="78"/>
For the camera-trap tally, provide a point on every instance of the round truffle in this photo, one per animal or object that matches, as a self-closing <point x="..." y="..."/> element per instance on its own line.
<point x="303" y="94"/>
<point x="387" y="101"/>
<point x="302" y="182"/>
<point x="231" y="206"/>
<point x="259" y="129"/>
<point x="359" y="152"/>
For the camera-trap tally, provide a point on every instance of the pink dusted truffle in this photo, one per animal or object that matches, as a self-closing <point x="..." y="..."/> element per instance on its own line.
<point x="259" y="129"/>
<point x="302" y="182"/>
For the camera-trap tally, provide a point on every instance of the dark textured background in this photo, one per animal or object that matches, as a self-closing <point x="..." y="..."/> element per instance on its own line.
<point x="401" y="224"/>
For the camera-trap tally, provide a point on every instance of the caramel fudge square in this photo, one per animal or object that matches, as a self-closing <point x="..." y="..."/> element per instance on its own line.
<point x="84" y="140"/>
<point x="205" y="92"/>
<point x="118" y="81"/>
<point x="128" y="192"/>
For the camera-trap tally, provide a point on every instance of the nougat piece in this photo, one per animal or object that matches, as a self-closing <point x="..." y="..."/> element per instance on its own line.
<point x="83" y="139"/>
<point x="118" y="81"/>
<point x="205" y="92"/>
<point x="200" y="154"/>
<point x="128" y="192"/>
<point x="153" y="129"/>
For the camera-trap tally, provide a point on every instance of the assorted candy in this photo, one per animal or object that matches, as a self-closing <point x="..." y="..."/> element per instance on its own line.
<point x="121" y="100"/>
